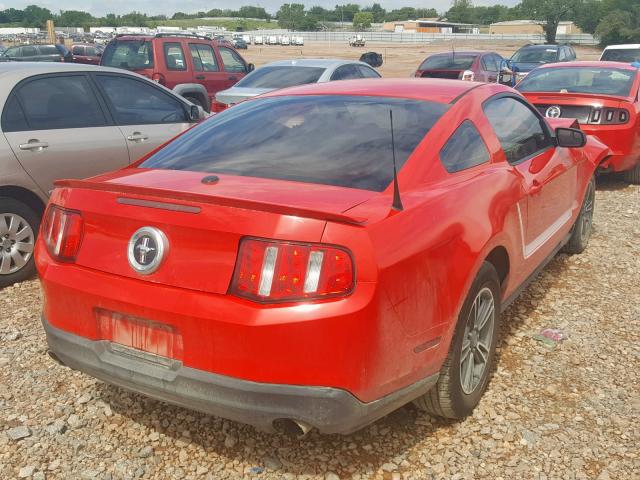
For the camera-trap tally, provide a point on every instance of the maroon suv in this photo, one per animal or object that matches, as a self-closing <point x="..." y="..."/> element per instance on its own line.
<point x="194" y="66"/>
<point x="467" y="65"/>
<point x="87" y="53"/>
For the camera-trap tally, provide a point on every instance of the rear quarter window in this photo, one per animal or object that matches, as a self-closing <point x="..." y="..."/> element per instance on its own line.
<point x="464" y="149"/>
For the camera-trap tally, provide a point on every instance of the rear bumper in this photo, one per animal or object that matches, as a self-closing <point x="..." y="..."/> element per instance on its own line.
<point x="331" y="410"/>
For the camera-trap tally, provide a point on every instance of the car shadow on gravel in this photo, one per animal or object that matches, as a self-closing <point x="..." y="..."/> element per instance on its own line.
<point x="384" y="444"/>
<point x="611" y="182"/>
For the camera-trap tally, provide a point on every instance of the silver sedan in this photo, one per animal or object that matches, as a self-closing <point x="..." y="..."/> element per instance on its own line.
<point x="289" y="73"/>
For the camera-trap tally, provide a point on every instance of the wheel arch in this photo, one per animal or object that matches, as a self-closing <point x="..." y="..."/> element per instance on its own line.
<point x="25" y="196"/>
<point x="499" y="258"/>
<point x="194" y="90"/>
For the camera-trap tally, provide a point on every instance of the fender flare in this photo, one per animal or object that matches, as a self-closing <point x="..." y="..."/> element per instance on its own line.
<point x="183" y="89"/>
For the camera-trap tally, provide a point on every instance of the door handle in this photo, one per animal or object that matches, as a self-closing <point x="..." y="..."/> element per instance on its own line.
<point x="33" y="145"/>
<point x="535" y="187"/>
<point x="200" y="77"/>
<point x="233" y="78"/>
<point x="137" y="137"/>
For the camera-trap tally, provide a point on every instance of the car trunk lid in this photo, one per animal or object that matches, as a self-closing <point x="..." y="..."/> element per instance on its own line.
<point x="203" y="222"/>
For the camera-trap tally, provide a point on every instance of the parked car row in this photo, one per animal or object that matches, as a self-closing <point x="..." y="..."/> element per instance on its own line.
<point x="313" y="257"/>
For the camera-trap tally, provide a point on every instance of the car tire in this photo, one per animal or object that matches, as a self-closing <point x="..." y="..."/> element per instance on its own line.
<point x="196" y="101"/>
<point x="581" y="231"/>
<point x="462" y="381"/>
<point x="28" y="223"/>
<point x="633" y="175"/>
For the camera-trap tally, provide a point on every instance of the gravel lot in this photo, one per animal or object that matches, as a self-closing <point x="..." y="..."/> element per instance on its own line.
<point x="566" y="411"/>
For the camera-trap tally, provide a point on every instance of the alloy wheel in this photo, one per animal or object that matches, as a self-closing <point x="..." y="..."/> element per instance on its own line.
<point x="587" y="211"/>
<point x="477" y="340"/>
<point x="17" y="241"/>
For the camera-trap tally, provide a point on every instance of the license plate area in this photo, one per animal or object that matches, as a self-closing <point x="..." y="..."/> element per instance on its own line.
<point x="155" y="338"/>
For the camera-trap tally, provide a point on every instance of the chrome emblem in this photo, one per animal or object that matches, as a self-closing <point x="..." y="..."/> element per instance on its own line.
<point x="553" y="112"/>
<point x="147" y="248"/>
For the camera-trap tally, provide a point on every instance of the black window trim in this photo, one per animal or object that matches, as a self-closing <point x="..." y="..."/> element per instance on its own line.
<point x="111" y="107"/>
<point x="466" y="169"/>
<point x="545" y="126"/>
<point x="14" y="93"/>
<point x="368" y="67"/>
<point x="164" y="55"/>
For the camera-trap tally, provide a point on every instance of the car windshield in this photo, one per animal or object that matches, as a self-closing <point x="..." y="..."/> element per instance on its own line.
<point x="281" y="77"/>
<point x="535" y="55"/>
<point x="333" y="140"/>
<point x="627" y="55"/>
<point x="604" y="81"/>
<point x="129" y="54"/>
<point x="454" y="61"/>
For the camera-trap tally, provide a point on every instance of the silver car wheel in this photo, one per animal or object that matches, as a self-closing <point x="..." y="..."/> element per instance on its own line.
<point x="476" y="343"/>
<point x="587" y="212"/>
<point x="16" y="243"/>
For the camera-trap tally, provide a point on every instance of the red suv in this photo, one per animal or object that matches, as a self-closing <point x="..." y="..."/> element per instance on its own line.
<point x="194" y="66"/>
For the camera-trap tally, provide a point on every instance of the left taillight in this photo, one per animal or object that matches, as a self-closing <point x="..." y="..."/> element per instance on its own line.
<point x="62" y="233"/>
<point x="270" y="271"/>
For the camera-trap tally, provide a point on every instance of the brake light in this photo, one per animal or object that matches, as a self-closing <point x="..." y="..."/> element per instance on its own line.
<point x="609" y="116"/>
<point x="468" y="76"/>
<point x="271" y="271"/>
<point x="62" y="233"/>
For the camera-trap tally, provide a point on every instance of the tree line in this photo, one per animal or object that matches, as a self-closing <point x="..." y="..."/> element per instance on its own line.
<point x="612" y="21"/>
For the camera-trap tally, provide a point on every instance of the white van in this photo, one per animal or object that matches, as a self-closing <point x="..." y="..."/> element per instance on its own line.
<point x="258" y="40"/>
<point x="627" y="53"/>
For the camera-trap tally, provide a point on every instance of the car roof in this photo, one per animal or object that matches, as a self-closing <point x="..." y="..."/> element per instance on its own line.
<point x="540" y="47"/>
<point x="624" y="46"/>
<point x="590" y="64"/>
<point x="427" y="89"/>
<point x="28" y="69"/>
<point x="312" y="62"/>
<point x="461" y="52"/>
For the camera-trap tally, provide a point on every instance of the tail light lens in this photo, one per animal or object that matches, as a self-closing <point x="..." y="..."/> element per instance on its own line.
<point x="468" y="76"/>
<point x="62" y="233"/>
<point x="609" y="116"/>
<point x="269" y="271"/>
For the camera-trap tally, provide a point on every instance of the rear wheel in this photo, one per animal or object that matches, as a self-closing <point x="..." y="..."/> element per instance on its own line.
<point x="465" y="374"/>
<point x="18" y="229"/>
<point x="581" y="232"/>
<point x="633" y="175"/>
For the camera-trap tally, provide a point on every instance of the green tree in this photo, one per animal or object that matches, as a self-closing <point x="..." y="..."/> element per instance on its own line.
<point x="35" y="16"/>
<point x="362" y="20"/>
<point x="550" y="13"/>
<point x="461" y="11"/>
<point x="74" y="18"/>
<point x="619" y="27"/>
<point x="291" y="16"/>
<point x="377" y="11"/>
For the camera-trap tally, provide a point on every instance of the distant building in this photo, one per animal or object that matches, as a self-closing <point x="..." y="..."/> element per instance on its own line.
<point x="18" y="31"/>
<point x="102" y="29"/>
<point x="530" y="27"/>
<point x="429" y="25"/>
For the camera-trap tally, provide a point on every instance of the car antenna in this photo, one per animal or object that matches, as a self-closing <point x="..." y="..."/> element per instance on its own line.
<point x="397" y="201"/>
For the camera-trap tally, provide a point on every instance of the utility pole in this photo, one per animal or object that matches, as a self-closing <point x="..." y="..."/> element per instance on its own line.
<point x="51" y="34"/>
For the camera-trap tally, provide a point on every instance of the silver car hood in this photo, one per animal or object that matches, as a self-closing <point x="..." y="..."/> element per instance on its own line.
<point x="235" y="95"/>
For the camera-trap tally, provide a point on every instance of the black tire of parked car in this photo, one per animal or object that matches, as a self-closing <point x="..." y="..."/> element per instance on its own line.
<point x="633" y="175"/>
<point x="581" y="231"/>
<point x="9" y="206"/>
<point x="447" y="398"/>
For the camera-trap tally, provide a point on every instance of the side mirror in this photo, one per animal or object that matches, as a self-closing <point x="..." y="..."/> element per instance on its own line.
<point x="570" y="137"/>
<point x="194" y="113"/>
<point x="99" y="54"/>
<point x="250" y="68"/>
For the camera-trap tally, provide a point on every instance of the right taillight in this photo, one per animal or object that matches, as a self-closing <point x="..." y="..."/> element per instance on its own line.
<point x="609" y="116"/>
<point x="62" y="233"/>
<point x="271" y="271"/>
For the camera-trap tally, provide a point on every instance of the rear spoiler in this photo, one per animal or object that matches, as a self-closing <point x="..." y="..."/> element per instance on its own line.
<point x="137" y="192"/>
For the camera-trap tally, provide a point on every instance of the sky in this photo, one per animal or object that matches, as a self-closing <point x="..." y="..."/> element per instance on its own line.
<point x="168" y="7"/>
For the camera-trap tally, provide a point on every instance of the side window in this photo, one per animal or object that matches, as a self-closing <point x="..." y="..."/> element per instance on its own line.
<point x="465" y="149"/>
<point x="29" y="51"/>
<point x="489" y="63"/>
<point x="346" y="72"/>
<point x="174" y="57"/>
<point x="562" y="54"/>
<point x="13" y="52"/>
<point x="519" y="130"/>
<point x="13" y="119"/>
<point x="77" y="50"/>
<point x="91" y="52"/>
<point x="136" y="102"/>
<point x="367" y="72"/>
<point x="204" y="59"/>
<point x="232" y="61"/>
<point x="572" y="53"/>
<point x="62" y="101"/>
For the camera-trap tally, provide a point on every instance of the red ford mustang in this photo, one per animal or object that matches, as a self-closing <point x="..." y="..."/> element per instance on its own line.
<point x="602" y="96"/>
<point x="268" y="266"/>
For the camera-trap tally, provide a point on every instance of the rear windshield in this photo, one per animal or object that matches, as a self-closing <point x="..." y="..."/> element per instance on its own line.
<point x="535" y="55"/>
<point x="281" y="77"/>
<point x="604" y="81"/>
<point x="448" y="62"/>
<point x="627" y="55"/>
<point x="129" y="54"/>
<point x="333" y="140"/>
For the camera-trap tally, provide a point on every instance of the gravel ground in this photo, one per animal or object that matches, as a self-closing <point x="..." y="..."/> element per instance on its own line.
<point x="564" y="411"/>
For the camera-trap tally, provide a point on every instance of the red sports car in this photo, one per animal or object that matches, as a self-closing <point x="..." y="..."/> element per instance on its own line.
<point x="270" y="267"/>
<point x="602" y="96"/>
